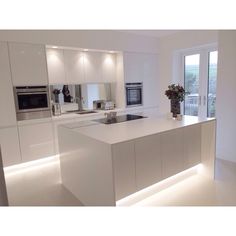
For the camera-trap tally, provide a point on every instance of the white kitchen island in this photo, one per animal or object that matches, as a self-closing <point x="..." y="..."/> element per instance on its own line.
<point x="101" y="164"/>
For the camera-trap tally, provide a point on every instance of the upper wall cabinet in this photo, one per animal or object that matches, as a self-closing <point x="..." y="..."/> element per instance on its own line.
<point x="28" y="64"/>
<point x="74" y="66"/>
<point x="56" y="66"/>
<point x="66" y="66"/>
<point x="99" y="67"/>
<point x="92" y="67"/>
<point x="108" y="67"/>
<point x="8" y="117"/>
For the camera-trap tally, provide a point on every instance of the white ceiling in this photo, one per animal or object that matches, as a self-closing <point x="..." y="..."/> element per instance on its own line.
<point x="152" y="33"/>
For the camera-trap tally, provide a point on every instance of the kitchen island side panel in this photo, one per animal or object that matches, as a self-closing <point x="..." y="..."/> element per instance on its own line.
<point x="86" y="168"/>
<point x="208" y="148"/>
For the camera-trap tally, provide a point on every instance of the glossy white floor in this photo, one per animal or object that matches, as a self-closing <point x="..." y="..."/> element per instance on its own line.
<point x="42" y="187"/>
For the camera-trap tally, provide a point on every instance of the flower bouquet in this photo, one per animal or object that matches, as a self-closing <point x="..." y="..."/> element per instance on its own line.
<point x="176" y="94"/>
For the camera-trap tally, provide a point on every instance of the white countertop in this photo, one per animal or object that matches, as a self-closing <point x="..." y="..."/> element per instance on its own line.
<point x="120" y="132"/>
<point x="75" y="115"/>
<point x="90" y="116"/>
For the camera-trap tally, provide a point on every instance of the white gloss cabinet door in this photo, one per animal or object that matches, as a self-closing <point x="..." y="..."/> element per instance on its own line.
<point x="150" y="82"/>
<point x="10" y="146"/>
<point x="7" y="104"/>
<point x="172" y="152"/>
<point x="192" y="146"/>
<point x="108" y="65"/>
<point x="74" y="66"/>
<point x="92" y="67"/>
<point x="56" y="66"/>
<point x="28" y="64"/>
<point x="55" y="131"/>
<point x="36" y="141"/>
<point x="123" y="157"/>
<point x="133" y="67"/>
<point x="148" y="161"/>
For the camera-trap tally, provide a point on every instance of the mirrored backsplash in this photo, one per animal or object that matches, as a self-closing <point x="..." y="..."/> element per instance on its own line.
<point x="67" y="95"/>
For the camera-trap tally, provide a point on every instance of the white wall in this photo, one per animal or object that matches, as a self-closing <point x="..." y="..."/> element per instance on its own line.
<point x="226" y="96"/>
<point x="168" y="46"/>
<point x="92" y="39"/>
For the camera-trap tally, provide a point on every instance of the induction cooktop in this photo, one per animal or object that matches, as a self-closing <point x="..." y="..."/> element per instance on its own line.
<point x="119" y="119"/>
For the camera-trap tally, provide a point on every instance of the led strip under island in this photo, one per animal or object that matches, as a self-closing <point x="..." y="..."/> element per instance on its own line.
<point x="160" y="186"/>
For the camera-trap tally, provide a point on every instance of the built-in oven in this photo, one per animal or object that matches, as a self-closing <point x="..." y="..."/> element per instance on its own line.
<point x="32" y="102"/>
<point x="134" y="94"/>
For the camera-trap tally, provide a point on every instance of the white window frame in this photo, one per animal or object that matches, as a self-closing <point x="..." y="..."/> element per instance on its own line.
<point x="178" y="72"/>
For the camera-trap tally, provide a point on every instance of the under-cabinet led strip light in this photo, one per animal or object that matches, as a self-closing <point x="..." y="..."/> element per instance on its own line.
<point x="155" y="188"/>
<point x="31" y="165"/>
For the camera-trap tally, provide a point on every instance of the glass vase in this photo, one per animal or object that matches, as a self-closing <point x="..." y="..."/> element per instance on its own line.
<point x="175" y="107"/>
<point x="56" y="98"/>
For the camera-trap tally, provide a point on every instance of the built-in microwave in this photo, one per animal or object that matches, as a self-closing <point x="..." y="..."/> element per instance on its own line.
<point x="134" y="94"/>
<point x="32" y="102"/>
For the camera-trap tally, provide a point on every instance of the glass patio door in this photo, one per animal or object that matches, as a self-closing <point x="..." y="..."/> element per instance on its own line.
<point x="191" y="84"/>
<point x="200" y="77"/>
<point x="212" y="81"/>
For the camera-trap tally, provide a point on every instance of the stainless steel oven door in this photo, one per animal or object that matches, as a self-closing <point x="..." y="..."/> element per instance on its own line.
<point x="31" y="101"/>
<point x="134" y="94"/>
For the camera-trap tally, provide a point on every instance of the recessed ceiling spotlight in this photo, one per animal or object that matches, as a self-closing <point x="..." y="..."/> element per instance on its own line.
<point x="54" y="47"/>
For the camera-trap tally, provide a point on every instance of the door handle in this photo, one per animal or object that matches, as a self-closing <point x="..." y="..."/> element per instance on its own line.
<point x="204" y="100"/>
<point x="200" y="101"/>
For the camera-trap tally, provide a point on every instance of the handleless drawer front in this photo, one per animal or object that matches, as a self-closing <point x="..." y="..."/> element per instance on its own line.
<point x="9" y="141"/>
<point x="192" y="146"/>
<point x="36" y="141"/>
<point x="124" y="169"/>
<point x="148" y="161"/>
<point x="172" y="152"/>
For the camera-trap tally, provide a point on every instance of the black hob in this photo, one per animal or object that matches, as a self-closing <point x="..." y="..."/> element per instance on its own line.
<point x="119" y="119"/>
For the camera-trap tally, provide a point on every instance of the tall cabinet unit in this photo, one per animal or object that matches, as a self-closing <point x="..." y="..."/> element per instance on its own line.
<point x="150" y="83"/>
<point x="133" y="67"/>
<point x="143" y="67"/>
<point x="8" y="130"/>
<point x="7" y="104"/>
<point x="28" y="64"/>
